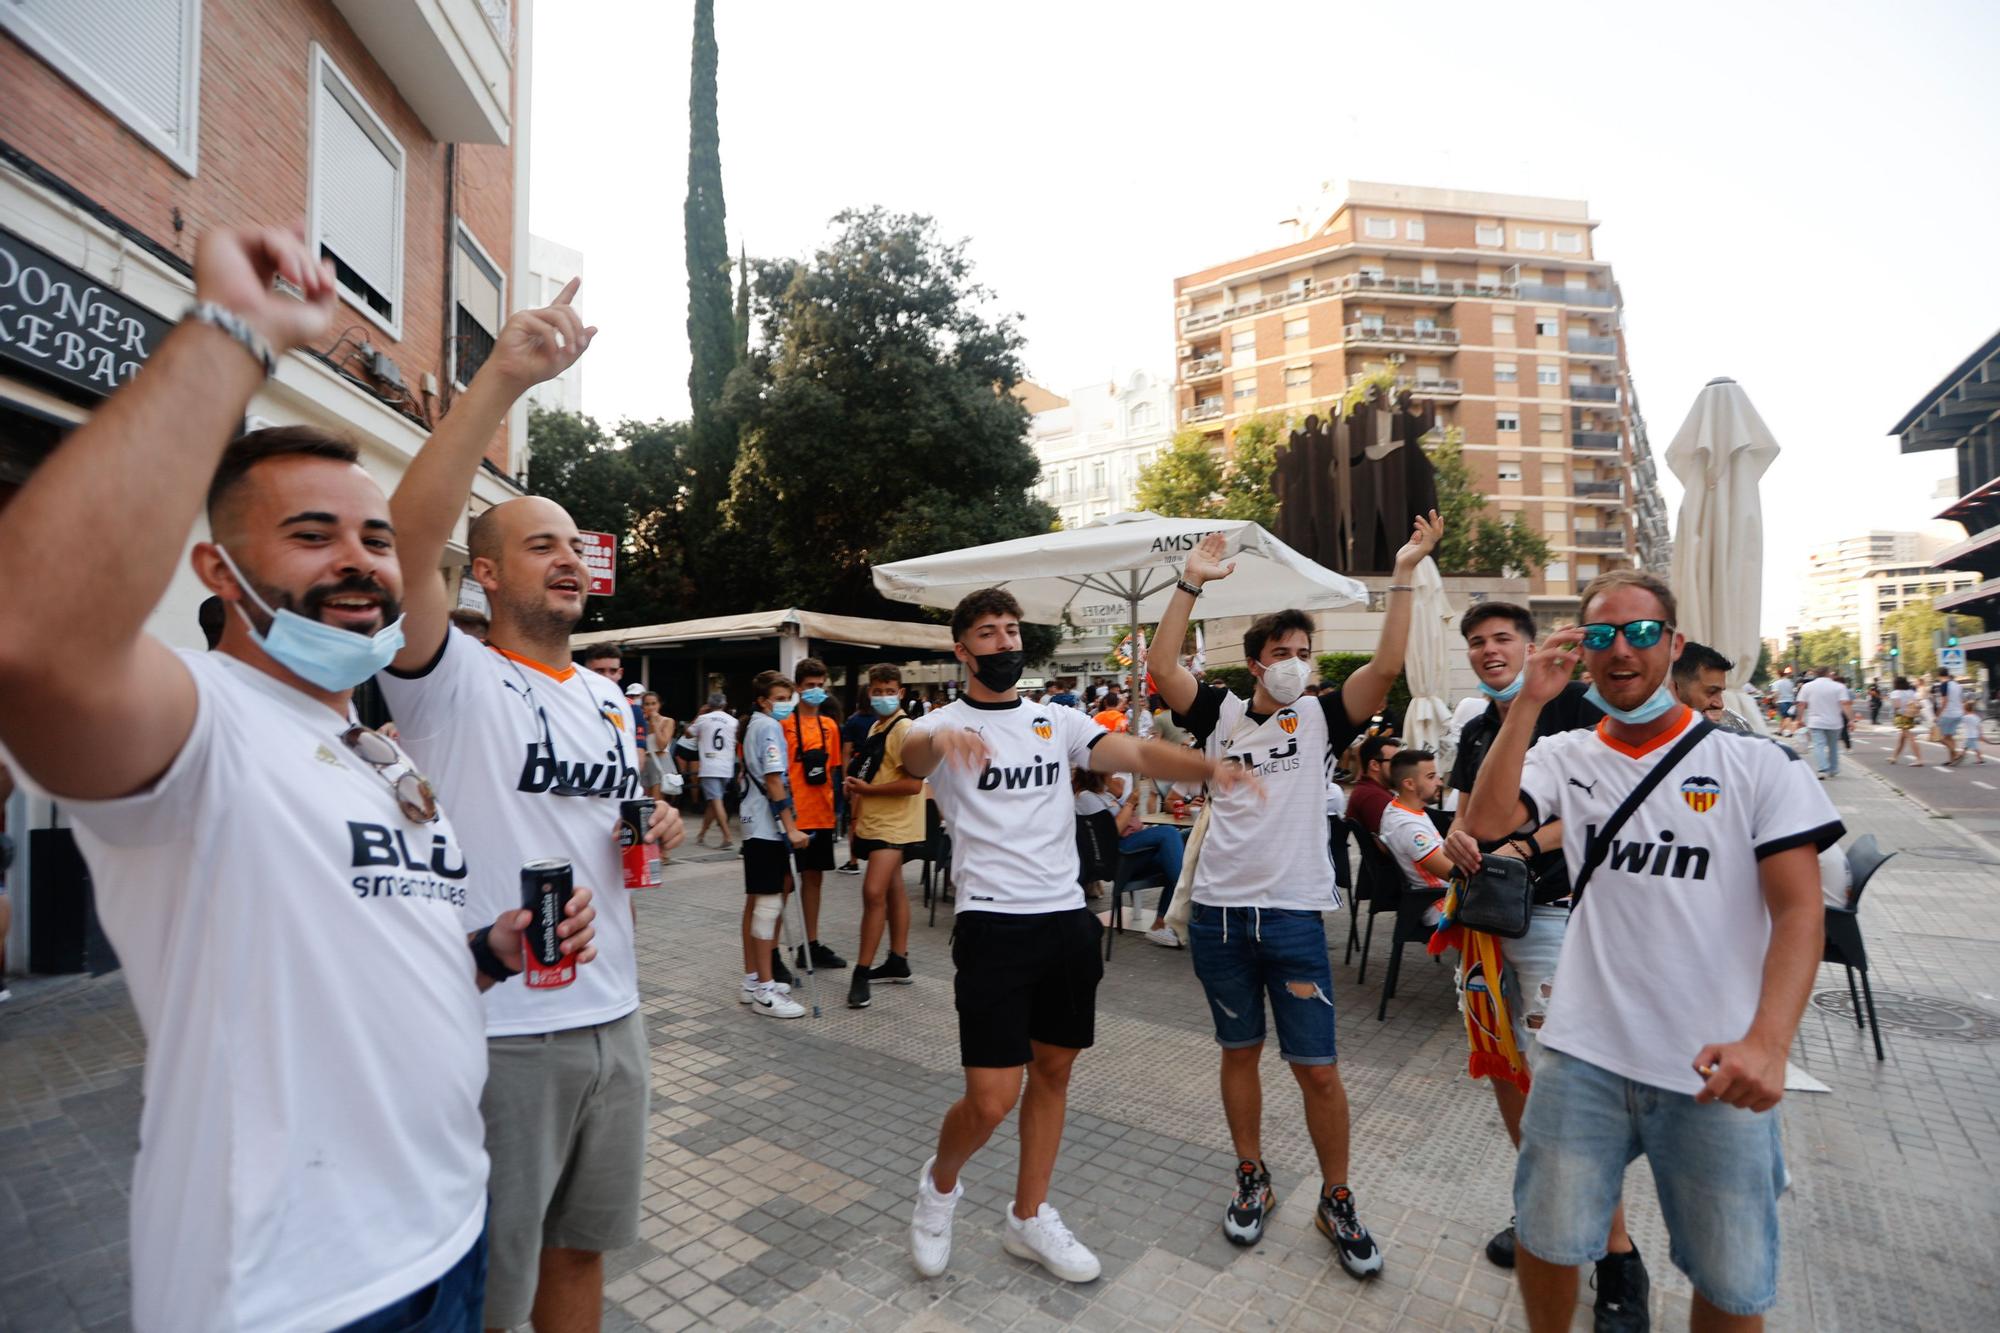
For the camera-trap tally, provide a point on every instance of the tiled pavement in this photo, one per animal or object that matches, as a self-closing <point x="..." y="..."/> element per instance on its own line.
<point x="782" y="1155"/>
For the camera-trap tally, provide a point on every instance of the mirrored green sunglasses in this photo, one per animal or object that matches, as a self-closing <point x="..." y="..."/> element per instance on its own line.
<point x="1638" y="633"/>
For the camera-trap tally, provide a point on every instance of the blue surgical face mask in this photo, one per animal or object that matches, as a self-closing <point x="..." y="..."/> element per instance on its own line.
<point x="884" y="704"/>
<point x="1663" y="699"/>
<point x="784" y="710"/>
<point x="1501" y="696"/>
<point x="814" y="696"/>
<point x="330" y="657"/>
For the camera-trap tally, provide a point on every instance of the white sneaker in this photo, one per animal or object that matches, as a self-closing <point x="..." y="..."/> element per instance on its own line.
<point x="1047" y="1241"/>
<point x="930" y="1223"/>
<point x="5" y="995"/>
<point x="749" y="995"/>
<point x="771" y="1004"/>
<point x="1164" y="937"/>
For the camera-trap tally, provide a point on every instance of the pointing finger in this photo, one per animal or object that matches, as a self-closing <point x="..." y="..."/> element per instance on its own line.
<point x="568" y="293"/>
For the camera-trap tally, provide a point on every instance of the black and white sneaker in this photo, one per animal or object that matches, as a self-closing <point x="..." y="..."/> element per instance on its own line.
<point x="1244" y="1222"/>
<point x="823" y="958"/>
<point x="895" y="970"/>
<point x="1337" y="1221"/>
<point x="857" y="990"/>
<point x="1622" y="1289"/>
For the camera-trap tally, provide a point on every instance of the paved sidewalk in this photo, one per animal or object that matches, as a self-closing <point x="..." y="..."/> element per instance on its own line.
<point x="783" y="1155"/>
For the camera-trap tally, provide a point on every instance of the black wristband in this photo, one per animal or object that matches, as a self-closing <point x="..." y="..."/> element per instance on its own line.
<point x="1187" y="587"/>
<point x="485" y="959"/>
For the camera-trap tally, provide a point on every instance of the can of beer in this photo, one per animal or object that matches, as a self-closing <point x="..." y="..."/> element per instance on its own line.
<point x="642" y="858"/>
<point x="545" y="891"/>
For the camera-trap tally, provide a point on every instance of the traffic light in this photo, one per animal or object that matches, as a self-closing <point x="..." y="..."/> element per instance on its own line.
<point x="1951" y="631"/>
<point x="1895" y="644"/>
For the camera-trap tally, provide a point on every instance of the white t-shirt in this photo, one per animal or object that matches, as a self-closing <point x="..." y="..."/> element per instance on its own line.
<point x="1666" y="952"/>
<point x="475" y="722"/>
<point x="1905" y="703"/>
<point x="1416" y="844"/>
<point x="1785" y="688"/>
<point x="1821" y="698"/>
<point x="1954" y="702"/>
<point x="715" y="735"/>
<point x="310" y="1146"/>
<point x="1013" y="822"/>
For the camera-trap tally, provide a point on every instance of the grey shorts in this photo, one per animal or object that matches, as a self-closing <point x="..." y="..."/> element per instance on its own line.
<point x="566" y="1128"/>
<point x="714" y="789"/>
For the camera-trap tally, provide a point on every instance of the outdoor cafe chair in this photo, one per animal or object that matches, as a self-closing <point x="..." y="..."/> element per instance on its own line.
<point x="1843" y="931"/>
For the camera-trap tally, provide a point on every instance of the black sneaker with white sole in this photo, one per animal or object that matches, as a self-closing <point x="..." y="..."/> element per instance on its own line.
<point x="895" y="970"/>
<point x="1623" y="1286"/>
<point x="1500" y="1250"/>
<point x="779" y="972"/>
<point x="857" y="990"/>
<point x="1254" y="1200"/>
<point x="823" y="958"/>
<point x="1337" y="1221"/>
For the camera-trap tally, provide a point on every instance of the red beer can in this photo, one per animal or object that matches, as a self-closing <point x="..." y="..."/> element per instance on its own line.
<point x="545" y="891"/>
<point x="641" y="858"/>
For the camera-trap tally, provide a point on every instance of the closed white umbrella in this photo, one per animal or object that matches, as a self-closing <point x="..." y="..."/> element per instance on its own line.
<point x="1720" y="454"/>
<point x="1427" y="661"/>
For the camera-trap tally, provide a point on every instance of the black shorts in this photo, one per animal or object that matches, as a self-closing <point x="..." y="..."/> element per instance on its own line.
<point x="1024" y="978"/>
<point x="766" y="864"/>
<point x="862" y="848"/>
<point x="817" y="854"/>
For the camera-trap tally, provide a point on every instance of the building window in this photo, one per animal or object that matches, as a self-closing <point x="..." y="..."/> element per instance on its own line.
<point x="141" y="62"/>
<point x="480" y="307"/>
<point x="1298" y="376"/>
<point x="1144" y="414"/>
<point x="357" y="197"/>
<point x="1503" y="324"/>
<point x="1557" y="571"/>
<point x="1552" y="477"/>
<point x="1379" y="229"/>
<point x="1586" y="569"/>
<point x="1096" y="478"/>
<point x="1429" y="273"/>
<point x="1528" y="238"/>
<point x="1246" y="387"/>
<point x="1545" y="326"/>
<point x="1507" y="421"/>
<point x="1373" y="272"/>
<point x="1555" y="522"/>
<point x="1424" y="324"/>
<point x="1504" y="372"/>
<point x="1069" y="481"/>
<point x="1488" y="233"/>
<point x="1510" y="472"/>
<point x="1371" y="323"/>
<point x="1243" y="345"/>
<point x="1548" y="375"/>
<point x="1569" y="243"/>
<point x="1552" y="423"/>
<point x="1295" y="328"/>
<point x="1413" y="230"/>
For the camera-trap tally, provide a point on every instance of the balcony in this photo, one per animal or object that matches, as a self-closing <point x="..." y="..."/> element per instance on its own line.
<point x="1594" y="439"/>
<point x="1590" y="296"/>
<point x="1594" y="393"/>
<point x="1599" y="537"/>
<point x="1201" y="368"/>
<point x="1201" y="319"/>
<point x="1583" y="344"/>
<point x="449" y="59"/>
<point x="1418" y="388"/>
<point x="1209" y="411"/>
<point x="1420" y="289"/>
<point x="1400" y="335"/>
<point x="1608" y="490"/>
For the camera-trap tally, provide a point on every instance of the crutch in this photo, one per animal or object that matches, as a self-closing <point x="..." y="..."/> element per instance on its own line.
<point x="784" y="926"/>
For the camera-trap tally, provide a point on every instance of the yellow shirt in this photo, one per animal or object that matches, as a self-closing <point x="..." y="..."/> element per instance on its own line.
<point x="890" y="819"/>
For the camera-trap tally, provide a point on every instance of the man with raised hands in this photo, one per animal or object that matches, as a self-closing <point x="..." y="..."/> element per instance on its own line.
<point x="537" y="754"/>
<point x="287" y="899"/>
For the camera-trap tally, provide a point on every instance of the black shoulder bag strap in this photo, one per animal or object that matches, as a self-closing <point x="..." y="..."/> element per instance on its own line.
<point x="1600" y="846"/>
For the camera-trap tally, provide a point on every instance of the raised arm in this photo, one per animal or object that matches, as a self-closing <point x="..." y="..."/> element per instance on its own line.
<point x="132" y="481"/>
<point x="1367" y="689"/>
<point x="1495" y="808"/>
<point x="534" y="345"/>
<point x="1175" y="683"/>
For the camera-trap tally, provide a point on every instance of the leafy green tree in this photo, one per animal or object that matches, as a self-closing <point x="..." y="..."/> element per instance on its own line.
<point x="1914" y="625"/>
<point x="876" y="419"/>
<point x="1335" y="668"/>
<point x="1831" y="648"/>
<point x="1760" y="675"/>
<point x="1192" y="479"/>
<point x="1474" y="541"/>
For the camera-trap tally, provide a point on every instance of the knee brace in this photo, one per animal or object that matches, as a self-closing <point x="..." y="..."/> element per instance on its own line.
<point x="764" y="916"/>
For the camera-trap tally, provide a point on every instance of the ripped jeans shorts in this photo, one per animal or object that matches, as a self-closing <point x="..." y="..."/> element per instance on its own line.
<point x="1243" y="954"/>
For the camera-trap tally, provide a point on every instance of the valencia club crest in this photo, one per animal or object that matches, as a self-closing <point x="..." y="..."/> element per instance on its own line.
<point x="1701" y="793"/>
<point x="1043" y="727"/>
<point x="1288" y="722"/>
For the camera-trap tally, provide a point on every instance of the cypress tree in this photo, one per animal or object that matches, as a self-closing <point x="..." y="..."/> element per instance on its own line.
<point x="742" y="307"/>
<point x="711" y="321"/>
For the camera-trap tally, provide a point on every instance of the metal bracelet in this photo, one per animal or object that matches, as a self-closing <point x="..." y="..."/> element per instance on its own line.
<point x="231" y="323"/>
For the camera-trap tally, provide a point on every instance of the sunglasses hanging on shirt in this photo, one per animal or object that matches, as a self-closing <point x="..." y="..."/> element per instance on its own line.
<point x="412" y="789"/>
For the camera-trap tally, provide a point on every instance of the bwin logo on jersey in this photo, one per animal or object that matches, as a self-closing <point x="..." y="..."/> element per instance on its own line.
<point x="1043" y="727"/>
<point x="1014" y="777"/>
<point x="1288" y="721"/>
<point x="1701" y="793"/>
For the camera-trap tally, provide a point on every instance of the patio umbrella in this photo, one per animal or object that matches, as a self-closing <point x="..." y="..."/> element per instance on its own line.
<point x="1427" y="662"/>
<point x="1720" y="453"/>
<point x="1122" y="567"/>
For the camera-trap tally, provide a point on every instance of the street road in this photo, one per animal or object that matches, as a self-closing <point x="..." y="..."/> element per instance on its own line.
<point x="1969" y="792"/>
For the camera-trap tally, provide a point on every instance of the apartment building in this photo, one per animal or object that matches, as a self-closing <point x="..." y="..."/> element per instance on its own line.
<point x="1093" y="443"/>
<point x="1962" y="413"/>
<point x="1495" y="307"/>
<point x="1857" y="583"/>
<point x="550" y="267"/>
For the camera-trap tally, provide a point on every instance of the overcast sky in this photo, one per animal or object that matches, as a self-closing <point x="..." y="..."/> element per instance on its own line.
<point x="1803" y="197"/>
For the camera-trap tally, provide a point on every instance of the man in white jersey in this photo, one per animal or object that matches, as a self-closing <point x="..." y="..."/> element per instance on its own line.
<point x="1824" y="705"/>
<point x="536" y="755"/>
<point x="1264" y="877"/>
<point x="1024" y="945"/>
<point x="1685" y="968"/>
<point x="278" y="882"/>
<point x="1408" y="831"/>
<point x="714" y="735"/>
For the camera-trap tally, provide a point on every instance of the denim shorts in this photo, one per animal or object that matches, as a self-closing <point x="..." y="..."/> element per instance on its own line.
<point x="714" y="789"/>
<point x="1243" y="953"/>
<point x="1528" y="976"/>
<point x="1719" y="1170"/>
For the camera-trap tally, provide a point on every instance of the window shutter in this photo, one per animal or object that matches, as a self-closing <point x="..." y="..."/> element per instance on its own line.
<point x="356" y="184"/>
<point x="138" y="57"/>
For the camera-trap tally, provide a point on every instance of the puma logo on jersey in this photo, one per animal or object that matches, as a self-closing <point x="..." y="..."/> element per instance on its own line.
<point x="1588" y="788"/>
<point x="1650" y="858"/>
<point x="326" y="756"/>
<point x="1015" y="777"/>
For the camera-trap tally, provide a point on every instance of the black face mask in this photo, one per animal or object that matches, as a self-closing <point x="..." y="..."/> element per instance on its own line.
<point x="998" y="671"/>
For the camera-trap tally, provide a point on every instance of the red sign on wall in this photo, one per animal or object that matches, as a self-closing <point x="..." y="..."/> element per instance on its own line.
<point x="600" y="557"/>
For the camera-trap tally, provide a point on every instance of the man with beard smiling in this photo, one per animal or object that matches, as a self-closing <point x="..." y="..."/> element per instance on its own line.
<point x="279" y="883"/>
<point x="537" y="754"/>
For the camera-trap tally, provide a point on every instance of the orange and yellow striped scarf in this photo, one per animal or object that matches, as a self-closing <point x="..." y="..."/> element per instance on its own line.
<point x="1489" y="1027"/>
